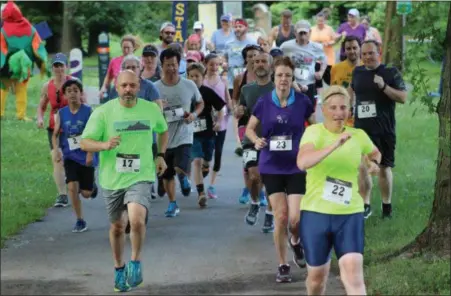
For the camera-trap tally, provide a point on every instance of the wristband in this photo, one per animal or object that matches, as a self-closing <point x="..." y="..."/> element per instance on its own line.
<point x="383" y="88"/>
<point x="195" y="115"/>
<point x="160" y="154"/>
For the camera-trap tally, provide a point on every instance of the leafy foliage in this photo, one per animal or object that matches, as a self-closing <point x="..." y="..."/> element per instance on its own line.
<point x="427" y="29"/>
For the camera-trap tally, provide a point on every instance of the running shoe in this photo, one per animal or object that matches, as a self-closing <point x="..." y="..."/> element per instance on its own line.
<point x="263" y="201"/>
<point x="134" y="274"/>
<point x="268" y="225"/>
<point x="298" y="254"/>
<point x="283" y="274"/>
<point x="185" y="186"/>
<point x="367" y="211"/>
<point x="173" y="209"/>
<point x="61" y="201"/>
<point x="244" y="198"/>
<point x="120" y="280"/>
<point x="211" y="192"/>
<point x="202" y="200"/>
<point x="80" y="226"/>
<point x="252" y="214"/>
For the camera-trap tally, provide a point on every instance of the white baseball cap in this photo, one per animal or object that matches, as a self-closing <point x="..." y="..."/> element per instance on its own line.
<point x="354" y="12"/>
<point x="303" y="26"/>
<point x="198" y="26"/>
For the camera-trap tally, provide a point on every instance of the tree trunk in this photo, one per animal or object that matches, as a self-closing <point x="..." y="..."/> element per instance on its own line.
<point x="93" y="40"/>
<point x="392" y="46"/>
<point x="435" y="237"/>
<point x="66" y="45"/>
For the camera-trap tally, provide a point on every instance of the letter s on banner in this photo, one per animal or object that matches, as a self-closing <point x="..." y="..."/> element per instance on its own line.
<point x="180" y="20"/>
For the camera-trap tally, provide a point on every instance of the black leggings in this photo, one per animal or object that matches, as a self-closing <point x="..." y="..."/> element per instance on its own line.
<point x="219" y="144"/>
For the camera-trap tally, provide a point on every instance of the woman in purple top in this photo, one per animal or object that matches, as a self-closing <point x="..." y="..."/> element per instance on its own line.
<point x="352" y="27"/>
<point x="281" y="115"/>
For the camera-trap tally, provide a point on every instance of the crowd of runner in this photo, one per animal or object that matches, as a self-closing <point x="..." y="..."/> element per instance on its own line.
<point x="164" y="116"/>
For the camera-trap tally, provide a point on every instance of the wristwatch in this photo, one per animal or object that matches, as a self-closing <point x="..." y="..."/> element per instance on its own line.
<point x="160" y="154"/>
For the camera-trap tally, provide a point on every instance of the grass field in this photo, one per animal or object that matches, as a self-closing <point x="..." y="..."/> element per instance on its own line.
<point x="27" y="190"/>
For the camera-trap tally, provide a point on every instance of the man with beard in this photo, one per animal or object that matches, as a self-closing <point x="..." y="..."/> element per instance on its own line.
<point x="377" y="89"/>
<point x="304" y="54"/>
<point x="341" y="73"/>
<point x="233" y="49"/>
<point x="182" y="105"/>
<point x="167" y="33"/>
<point x="249" y="96"/>
<point x="121" y="131"/>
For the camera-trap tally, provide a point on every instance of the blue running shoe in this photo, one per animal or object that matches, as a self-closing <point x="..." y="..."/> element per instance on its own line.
<point x="185" y="185"/>
<point x="80" y="226"/>
<point x="134" y="274"/>
<point x="244" y="198"/>
<point x="173" y="209"/>
<point x="120" y="280"/>
<point x="263" y="201"/>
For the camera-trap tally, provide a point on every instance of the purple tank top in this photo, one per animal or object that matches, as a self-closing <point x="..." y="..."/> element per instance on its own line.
<point x="220" y="88"/>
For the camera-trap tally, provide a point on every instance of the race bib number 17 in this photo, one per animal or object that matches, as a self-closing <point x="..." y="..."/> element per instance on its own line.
<point x="128" y="163"/>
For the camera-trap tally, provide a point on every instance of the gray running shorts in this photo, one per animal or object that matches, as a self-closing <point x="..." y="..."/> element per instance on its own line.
<point x="116" y="200"/>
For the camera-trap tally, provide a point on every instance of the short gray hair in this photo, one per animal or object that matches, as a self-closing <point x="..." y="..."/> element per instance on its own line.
<point x="130" y="57"/>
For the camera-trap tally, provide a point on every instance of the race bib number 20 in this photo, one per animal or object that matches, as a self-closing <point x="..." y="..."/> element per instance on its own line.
<point x="367" y="110"/>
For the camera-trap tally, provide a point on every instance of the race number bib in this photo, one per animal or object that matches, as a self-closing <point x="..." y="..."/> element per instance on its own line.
<point x="249" y="155"/>
<point x="174" y="113"/>
<point x="301" y="73"/>
<point x="280" y="143"/>
<point x="128" y="163"/>
<point x="337" y="191"/>
<point x="200" y="125"/>
<point x="367" y="110"/>
<point x="74" y="142"/>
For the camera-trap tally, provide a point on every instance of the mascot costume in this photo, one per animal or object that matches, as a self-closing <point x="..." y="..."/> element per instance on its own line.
<point x="20" y="47"/>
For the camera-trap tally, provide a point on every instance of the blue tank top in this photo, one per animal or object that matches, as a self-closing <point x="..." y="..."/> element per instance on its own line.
<point x="72" y="126"/>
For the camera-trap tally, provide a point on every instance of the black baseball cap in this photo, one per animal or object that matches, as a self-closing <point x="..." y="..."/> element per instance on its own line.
<point x="150" y="50"/>
<point x="276" y="52"/>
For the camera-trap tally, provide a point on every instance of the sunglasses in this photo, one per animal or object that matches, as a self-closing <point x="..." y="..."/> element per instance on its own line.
<point x="169" y="33"/>
<point x="58" y="97"/>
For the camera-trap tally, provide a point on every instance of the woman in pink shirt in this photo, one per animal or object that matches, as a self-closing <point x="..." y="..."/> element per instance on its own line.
<point x="214" y="81"/>
<point x="129" y="44"/>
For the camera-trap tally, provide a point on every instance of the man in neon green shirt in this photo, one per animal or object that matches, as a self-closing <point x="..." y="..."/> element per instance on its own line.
<point x="121" y="130"/>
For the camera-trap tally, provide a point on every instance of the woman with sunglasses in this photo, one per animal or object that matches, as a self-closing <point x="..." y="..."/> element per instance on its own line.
<point x="332" y="208"/>
<point x="52" y="93"/>
<point x="280" y="115"/>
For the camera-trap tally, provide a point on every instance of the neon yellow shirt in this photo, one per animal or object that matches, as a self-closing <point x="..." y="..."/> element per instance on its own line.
<point x="332" y="186"/>
<point x="131" y="161"/>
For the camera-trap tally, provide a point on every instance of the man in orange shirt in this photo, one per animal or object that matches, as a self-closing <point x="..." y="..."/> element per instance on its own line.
<point x="341" y="73"/>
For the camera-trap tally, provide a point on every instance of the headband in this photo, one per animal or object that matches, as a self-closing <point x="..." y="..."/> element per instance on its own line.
<point x="241" y="22"/>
